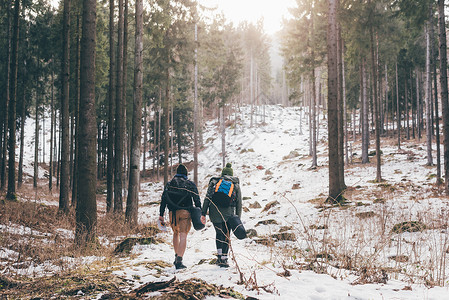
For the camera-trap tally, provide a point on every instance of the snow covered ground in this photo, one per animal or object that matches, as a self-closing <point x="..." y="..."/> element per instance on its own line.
<point x="330" y="249"/>
<point x="272" y="163"/>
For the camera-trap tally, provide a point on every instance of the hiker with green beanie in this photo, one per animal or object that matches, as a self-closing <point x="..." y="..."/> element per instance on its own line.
<point x="178" y="196"/>
<point x="223" y="200"/>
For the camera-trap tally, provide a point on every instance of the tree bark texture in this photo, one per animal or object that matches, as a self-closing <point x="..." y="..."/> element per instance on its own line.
<point x="428" y="99"/>
<point x="111" y="108"/>
<point x="11" y="192"/>
<point x="444" y="90"/>
<point x="86" y="208"/>
<point x="5" y="113"/>
<point x="119" y="117"/>
<point x="134" y="166"/>
<point x="334" y="186"/>
<point x="65" y="72"/>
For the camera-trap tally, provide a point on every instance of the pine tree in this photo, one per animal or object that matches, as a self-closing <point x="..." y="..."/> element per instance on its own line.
<point x="86" y="208"/>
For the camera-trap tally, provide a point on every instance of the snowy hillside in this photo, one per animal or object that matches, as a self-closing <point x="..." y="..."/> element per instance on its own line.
<point x="353" y="244"/>
<point x="302" y="248"/>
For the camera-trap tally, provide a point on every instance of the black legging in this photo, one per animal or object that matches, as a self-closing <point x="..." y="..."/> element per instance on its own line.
<point x="222" y="237"/>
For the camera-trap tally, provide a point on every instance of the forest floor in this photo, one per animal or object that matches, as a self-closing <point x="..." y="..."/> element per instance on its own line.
<point x="388" y="241"/>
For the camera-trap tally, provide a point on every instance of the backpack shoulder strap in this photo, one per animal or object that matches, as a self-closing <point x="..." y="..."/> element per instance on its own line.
<point x="217" y="186"/>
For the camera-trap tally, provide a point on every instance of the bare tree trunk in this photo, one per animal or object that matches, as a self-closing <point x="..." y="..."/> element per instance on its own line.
<point x="126" y="139"/>
<point x="428" y="100"/>
<point x="386" y="100"/>
<point x="364" y="112"/>
<point x="251" y="87"/>
<point x="407" y="109"/>
<point x="398" y="110"/>
<point x="418" y="107"/>
<point x="313" y="104"/>
<point x="36" y="133"/>
<point x="77" y="111"/>
<point x="22" y="129"/>
<point x="376" y="108"/>
<point x="132" y="203"/>
<point x="65" y="70"/>
<point x="52" y="129"/>
<point x="434" y="55"/>
<point x="195" y="110"/>
<point x="332" y="39"/>
<point x="11" y="192"/>
<point x="4" y="143"/>
<point x="86" y="208"/>
<point x="119" y="117"/>
<point x="145" y="139"/>
<point x="159" y="141"/>
<point x="166" y="112"/>
<point x="341" y="137"/>
<point x="444" y="92"/>
<point x="111" y="108"/>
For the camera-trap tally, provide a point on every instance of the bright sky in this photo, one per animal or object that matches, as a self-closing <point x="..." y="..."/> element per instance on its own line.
<point x="237" y="11"/>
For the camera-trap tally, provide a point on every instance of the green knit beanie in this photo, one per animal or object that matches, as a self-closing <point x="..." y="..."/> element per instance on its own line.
<point x="228" y="170"/>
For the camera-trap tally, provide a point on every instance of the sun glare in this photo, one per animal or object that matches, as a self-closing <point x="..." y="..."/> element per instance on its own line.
<point x="238" y="11"/>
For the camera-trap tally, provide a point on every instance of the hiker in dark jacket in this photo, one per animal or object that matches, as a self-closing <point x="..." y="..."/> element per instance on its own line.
<point x="177" y="197"/>
<point x="220" y="215"/>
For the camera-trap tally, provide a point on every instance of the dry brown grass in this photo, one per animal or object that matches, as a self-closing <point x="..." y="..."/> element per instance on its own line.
<point x="34" y="232"/>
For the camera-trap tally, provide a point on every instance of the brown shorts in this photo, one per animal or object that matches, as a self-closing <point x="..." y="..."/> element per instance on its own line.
<point x="182" y="221"/>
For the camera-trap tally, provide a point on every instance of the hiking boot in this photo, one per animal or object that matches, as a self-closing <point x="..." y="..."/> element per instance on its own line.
<point x="178" y="263"/>
<point x="222" y="262"/>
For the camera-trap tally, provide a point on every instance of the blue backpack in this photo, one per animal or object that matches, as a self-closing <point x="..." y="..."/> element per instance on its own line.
<point x="224" y="193"/>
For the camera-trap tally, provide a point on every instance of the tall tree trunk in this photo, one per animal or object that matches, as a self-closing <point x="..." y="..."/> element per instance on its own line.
<point x="341" y="137"/>
<point x="407" y="109"/>
<point x="65" y="151"/>
<point x="11" y="192"/>
<point x="195" y="109"/>
<point x="434" y="55"/>
<point x="313" y="105"/>
<point x="86" y="206"/>
<point x="126" y="139"/>
<point x="251" y="87"/>
<point x="77" y="112"/>
<point x="36" y="136"/>
<point x="22" y="126"/>
<point x="386" y="100"/>
<point x="444" y="92"/>
<point x="111" y="106"/>
<point x="145" y="138"/>
<point x="364" y="112"/>
<point x="376" y="108"/>
<point x="159" y="141"/>
<point x="334" y="182"/>
<point x="132" y="203"/>
<point x="428" y="99"/>
<point x="5" y="112"/>
<point x="166" y="112"/>
<point x="52" y="130"/>
<point x="345" y="111"/>
<point x="398" y="109"/>
<point x="119" y="117"/>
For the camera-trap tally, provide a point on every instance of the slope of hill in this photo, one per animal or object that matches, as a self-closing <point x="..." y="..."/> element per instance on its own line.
<point x="304" y="248"/>
<point x="389" y="241"/>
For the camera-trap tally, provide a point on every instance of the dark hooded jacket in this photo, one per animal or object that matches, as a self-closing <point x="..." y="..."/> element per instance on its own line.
<point x="179" y="193"/>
